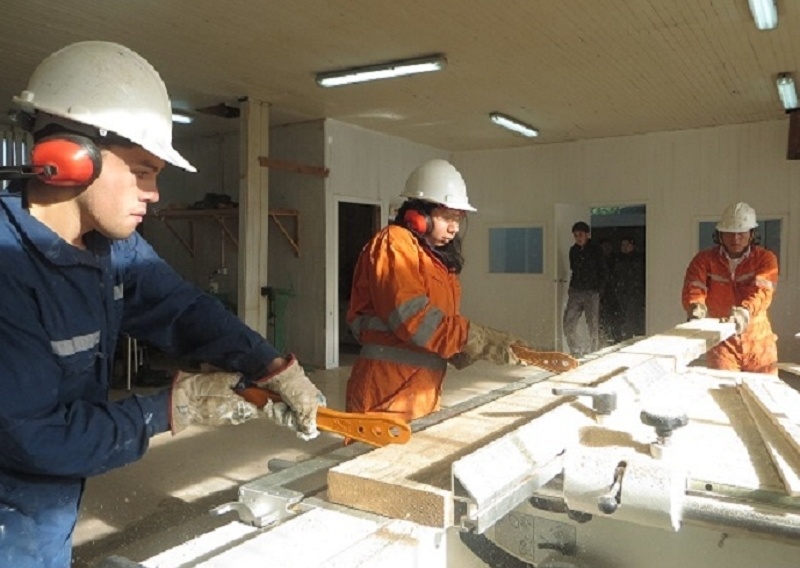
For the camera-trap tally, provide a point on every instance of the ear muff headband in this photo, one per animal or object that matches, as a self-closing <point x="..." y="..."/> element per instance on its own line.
<point x="417" y="221"/>
<point x="67" y="160"/>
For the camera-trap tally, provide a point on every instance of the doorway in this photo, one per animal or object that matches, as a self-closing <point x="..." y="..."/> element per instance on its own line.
<point x="358" y="222"/>
<point x="610" y="224"/>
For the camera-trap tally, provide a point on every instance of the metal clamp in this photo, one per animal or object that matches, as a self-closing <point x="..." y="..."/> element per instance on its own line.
<point x="603" y="402"/>
<point x="266" y="501"/>
<point x="262" y="507"/>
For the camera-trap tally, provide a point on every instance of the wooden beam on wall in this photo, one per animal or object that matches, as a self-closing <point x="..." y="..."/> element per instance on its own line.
<point x="253" y="215"/>
<point x="292" y="166"/>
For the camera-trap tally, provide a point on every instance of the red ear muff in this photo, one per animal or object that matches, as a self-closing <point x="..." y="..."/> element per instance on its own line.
<point x="67" y="160"/>
<point x="416" y="221"/>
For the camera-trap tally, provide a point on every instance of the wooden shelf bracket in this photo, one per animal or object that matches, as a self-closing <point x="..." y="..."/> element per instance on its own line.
<point x="294" y="238"/>
<point x="220" y="217"/>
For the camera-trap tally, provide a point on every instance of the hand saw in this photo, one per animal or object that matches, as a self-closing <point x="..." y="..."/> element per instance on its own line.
<point x="551" y="360"/>
<point x="374" y="428"/>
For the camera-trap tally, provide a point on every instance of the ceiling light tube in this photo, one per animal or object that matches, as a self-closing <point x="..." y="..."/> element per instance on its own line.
<point x="765" y="14"/>
<point x="514" y="125"/>
<point x="181" y="118"/>
<point x="381" y="71"/>
<point x="787" y="91"/>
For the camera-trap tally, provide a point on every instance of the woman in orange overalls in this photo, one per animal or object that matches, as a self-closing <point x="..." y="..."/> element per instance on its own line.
<point x="736" y="280"/>
<point x="405" y="301"/>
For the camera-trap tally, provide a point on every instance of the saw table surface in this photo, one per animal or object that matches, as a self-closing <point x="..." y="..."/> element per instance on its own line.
<point x="721" y="446"/>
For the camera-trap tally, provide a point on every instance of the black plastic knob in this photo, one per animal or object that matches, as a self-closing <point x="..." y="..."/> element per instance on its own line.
<point x="664" y="422"/>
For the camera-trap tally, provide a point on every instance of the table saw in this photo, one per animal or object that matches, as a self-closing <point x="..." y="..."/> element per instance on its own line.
<point x="639" y="457"/>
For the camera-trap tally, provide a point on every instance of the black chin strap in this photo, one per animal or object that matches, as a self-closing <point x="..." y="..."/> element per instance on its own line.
<point x="25" y="172"/>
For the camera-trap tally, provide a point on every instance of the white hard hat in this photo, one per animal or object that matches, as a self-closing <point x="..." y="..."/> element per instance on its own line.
<point x="737" y="218"/>
<point x="107" y="86"/>
<point x="439" y="182"/>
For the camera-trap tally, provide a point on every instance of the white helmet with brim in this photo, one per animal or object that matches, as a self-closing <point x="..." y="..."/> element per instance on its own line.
<point x="109" y="87"/>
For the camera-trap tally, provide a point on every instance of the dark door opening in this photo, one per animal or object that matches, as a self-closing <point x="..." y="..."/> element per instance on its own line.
<point x="622" y="232"/>
<point x="358" y="222"/>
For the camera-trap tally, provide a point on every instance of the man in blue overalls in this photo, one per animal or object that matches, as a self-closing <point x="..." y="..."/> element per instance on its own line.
<point x="75" y="274"/>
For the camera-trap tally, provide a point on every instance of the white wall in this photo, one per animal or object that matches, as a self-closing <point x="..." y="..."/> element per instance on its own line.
<point x="216" y="160"/>
<point x="680" y="176"/>
<point x="303" y="274"/>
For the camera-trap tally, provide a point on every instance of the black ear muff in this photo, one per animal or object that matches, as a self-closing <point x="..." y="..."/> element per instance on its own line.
<point x="417" y="221"/>
<point x="66" y="160"/>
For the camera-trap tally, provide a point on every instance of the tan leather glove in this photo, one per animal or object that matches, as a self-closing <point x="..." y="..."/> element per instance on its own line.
<point x="740" y="317"/>
<point x="487" y="344"/>
<point x="301" y="399"/>
<point x="696" y="311"/>
<point x="207" y="399"/>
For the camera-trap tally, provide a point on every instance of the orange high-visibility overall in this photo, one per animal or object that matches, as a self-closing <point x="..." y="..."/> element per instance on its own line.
<point x="404" y="310"/>
<point x="709" y="281"/>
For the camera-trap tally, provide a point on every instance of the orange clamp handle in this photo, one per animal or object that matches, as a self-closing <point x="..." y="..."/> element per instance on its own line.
<point x="374" y="428"/>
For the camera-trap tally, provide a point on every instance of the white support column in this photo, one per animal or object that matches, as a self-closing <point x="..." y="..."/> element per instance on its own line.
<point x="253" y="214"/>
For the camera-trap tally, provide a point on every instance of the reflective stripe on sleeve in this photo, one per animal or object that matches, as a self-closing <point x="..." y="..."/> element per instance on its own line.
<point x="403" y="356"/>
<point x="79" y="344"/>
<point x="765" y="283"/>
<point x="406" y="311"/>
<point x="698" y="284"/>
<point x="400" y="317"/>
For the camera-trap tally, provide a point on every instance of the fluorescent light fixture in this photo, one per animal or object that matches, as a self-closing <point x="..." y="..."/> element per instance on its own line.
<point x="514" y="124"/>
<point x="181" y="118"/>
<point x="765" y="14"/>
<point x="786" y="91"/>
<point x="381" y="71"/>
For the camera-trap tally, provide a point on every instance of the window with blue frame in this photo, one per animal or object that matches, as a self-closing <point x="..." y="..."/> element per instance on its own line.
<point x="516" y="250"/>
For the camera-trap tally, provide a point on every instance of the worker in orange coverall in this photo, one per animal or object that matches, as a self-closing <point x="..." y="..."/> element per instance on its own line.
<point x="735" y="280"/>
<point x="404" y="307"/>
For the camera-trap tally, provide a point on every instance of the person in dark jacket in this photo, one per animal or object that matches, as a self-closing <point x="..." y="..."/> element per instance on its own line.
<point x="629" y="287"/>
<point x="75" y="275"/>
<point x="587" y="281"/>
<point x="609" y="306"/>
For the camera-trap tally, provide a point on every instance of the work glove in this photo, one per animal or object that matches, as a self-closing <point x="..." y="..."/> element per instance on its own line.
<point x="301" y="399"/>
<point x="485" y="343"/>
<point x="696" y="311"/>
<point x="740" y="317"/>
<point x="207" y="399"/>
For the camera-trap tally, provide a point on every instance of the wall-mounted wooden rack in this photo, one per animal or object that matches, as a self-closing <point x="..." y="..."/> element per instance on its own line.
<point x="221" y="217"/>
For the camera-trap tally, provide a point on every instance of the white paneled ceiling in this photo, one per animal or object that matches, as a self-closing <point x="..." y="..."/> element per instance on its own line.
<point x="575" y="69"/>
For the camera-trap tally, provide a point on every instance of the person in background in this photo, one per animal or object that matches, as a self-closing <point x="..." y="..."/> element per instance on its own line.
<point x="629" y="288"/>
<point x="586" y="282"/>
<point x="609" y="305"/>
<point x="405" y="302"/>
<point x="735" y="280"/>
<point x="75" y="275"/>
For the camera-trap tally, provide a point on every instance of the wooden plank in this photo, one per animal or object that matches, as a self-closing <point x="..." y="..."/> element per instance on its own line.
<point x="780" y="402"/>
<point x="685" y="342"/>
<point x="784" y="456"/>
<point x="792" y="368"/>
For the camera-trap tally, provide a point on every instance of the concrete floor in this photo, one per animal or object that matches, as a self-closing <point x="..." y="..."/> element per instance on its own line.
<point x="134" y="511"/>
